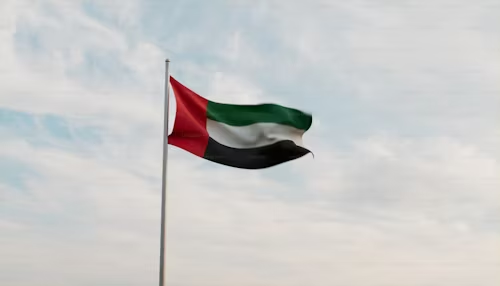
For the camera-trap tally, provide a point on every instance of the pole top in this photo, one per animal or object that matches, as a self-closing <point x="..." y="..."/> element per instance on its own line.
<point x="167" y="60"/>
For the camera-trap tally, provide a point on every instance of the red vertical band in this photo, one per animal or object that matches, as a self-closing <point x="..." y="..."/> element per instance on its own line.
<point x="190" y="132"/>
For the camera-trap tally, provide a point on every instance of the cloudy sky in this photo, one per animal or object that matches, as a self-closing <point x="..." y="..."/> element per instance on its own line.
<point x="404" y="188"/>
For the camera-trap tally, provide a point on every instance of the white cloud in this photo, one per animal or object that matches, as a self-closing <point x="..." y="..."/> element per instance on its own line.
<point x="234" y="89"/>
<point x="428" y="65"/>
<point x="383" y="210"/>
<point x="51" y="90"/>
<point x="223" y="226"/>
<point x="438" y="177"/>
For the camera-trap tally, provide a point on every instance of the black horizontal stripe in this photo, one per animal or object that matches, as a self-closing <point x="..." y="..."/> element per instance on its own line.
<point x="254" y="158"/>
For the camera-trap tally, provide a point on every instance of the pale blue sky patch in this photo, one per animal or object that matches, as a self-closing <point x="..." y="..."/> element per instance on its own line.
<point x="27" y="40"/>
<point x="19" y="123"/>
<point x="14" y="173"/>
<point x="98" y="68"/>
<point x="46" y="129"/>
<point x="56" y="127"/>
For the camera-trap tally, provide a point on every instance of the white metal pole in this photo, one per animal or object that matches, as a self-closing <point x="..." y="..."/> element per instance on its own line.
<point x="163" y="235"/>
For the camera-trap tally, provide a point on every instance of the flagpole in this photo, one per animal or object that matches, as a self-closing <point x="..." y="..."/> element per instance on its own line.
<point x="163" y="235"/>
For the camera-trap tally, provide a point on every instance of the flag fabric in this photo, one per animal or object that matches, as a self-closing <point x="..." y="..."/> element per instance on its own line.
<point x="242" y="136"/>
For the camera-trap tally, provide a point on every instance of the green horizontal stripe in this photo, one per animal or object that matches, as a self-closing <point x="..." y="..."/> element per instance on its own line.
<point x="242" y="115"/>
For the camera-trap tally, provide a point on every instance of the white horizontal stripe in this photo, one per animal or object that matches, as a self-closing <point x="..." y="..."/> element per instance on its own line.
<point x="251" y="136"/>
<point x="172" y="109"/>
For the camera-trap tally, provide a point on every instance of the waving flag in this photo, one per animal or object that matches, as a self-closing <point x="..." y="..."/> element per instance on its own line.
<point x="242" y="136"/>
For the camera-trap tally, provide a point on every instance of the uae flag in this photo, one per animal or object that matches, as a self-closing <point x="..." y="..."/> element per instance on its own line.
<point x="242" y="136"/>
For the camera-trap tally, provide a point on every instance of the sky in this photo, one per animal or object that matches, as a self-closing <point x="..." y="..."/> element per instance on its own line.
<point x="403" y="188"/>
